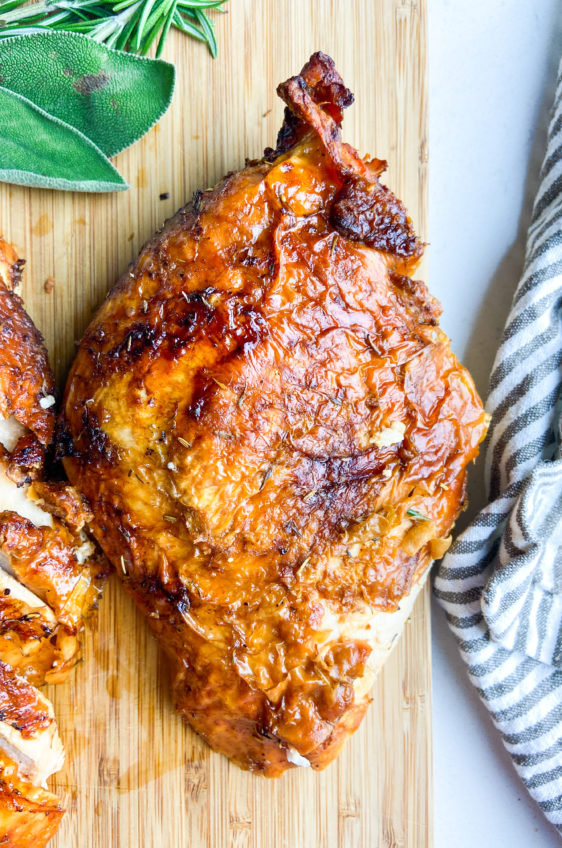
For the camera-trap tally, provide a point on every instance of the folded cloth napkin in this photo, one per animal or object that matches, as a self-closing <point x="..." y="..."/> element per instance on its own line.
<point x="501" y="582"/>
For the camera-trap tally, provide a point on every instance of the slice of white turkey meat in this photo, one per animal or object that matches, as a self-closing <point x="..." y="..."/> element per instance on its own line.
<point x="16" y="497"/>
<point x="16" y="590"/>
<point x="10" y="431"/>
<point x="28" y="731"/>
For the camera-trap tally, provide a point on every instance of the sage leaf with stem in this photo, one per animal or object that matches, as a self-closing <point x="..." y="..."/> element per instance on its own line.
<point x="37" y="149"/>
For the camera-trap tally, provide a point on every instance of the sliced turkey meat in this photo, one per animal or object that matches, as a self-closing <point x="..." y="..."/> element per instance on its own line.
<point x="50" y="574"/>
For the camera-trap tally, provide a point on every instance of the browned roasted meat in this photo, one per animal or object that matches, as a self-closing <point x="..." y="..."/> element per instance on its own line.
<point x="272" y="433"/>
<point x="29" y="814"/>
<point x="26" y="380"/>
<point x="28" y="732"/>
<point x="30" y="751"/>
<point x="50" y="574"/>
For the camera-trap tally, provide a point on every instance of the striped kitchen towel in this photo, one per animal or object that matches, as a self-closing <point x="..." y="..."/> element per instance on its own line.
<point x="501" y="582"/>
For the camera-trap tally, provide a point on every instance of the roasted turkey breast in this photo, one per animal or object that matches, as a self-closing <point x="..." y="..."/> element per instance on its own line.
<point x="50" y="575"/>
<point x="272" y="434"/>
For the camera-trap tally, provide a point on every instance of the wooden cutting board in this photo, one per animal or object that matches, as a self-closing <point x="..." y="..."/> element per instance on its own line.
<point x="135" y="774"/>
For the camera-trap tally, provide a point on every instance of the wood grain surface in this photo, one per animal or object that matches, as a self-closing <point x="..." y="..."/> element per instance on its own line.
<point x="135" y="775"/>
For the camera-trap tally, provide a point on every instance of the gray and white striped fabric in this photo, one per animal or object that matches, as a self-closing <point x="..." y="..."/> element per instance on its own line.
<point x="501" y="582"/>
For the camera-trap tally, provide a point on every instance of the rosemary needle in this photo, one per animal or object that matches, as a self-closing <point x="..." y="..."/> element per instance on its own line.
<point x="417" y="515"/>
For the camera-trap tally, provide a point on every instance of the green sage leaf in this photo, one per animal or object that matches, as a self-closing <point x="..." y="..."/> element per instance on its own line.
<point x="110" y="96"/>
<point x="37" y="149"/>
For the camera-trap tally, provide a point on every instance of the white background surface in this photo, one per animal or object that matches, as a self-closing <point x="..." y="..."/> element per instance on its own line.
<point x="492" y="72"/>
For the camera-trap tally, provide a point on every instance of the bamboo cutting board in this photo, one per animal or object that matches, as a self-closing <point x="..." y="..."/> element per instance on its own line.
<point x="135" y="774"/>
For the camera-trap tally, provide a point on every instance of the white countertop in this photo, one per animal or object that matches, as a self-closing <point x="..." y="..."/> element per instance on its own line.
<point x="492" y="72"/>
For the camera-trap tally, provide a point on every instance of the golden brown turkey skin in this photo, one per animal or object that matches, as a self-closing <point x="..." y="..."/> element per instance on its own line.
<point x="272" y="433"/>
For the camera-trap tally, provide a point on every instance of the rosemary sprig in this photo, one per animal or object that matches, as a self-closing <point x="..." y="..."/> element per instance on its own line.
<point x="132" y="25"/>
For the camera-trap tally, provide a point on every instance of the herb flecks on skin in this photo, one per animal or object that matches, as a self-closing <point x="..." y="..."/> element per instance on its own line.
<point x="131" y="25"/>
<point x="413" y="513"/>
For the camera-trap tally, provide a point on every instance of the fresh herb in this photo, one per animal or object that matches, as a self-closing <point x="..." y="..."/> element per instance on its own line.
<point x="68" y="103"/>
<point x="417" y="515"/>
<point x="302" y="566"/>
<point x="110" y="97"/>
<point x="31" y="142"/>
<point x="372" y="345"/>
<point x="266" y="477"/>
<point x="132" y="25"/>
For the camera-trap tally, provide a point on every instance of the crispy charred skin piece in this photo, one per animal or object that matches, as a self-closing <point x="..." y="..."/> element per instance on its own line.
<point x="272" y="433"/>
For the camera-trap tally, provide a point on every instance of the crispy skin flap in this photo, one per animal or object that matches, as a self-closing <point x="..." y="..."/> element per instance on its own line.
<point x="321" y="82"/>
<point x="364" y="210"/>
